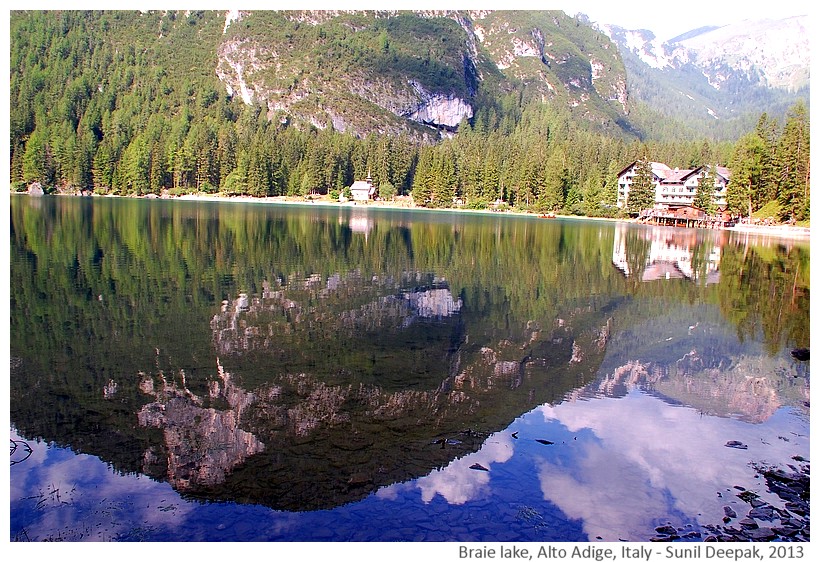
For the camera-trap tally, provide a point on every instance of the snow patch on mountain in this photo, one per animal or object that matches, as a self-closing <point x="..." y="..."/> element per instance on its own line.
<point x="776" y="51"/>
<point x="649" y="49"/>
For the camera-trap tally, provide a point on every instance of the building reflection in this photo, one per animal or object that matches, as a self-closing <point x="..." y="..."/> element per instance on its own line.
<point x="667" y="253"/>
<point x="361" y="224"/>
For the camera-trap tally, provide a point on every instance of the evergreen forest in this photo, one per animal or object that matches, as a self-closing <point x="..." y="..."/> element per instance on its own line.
<point x="128" y="103"/>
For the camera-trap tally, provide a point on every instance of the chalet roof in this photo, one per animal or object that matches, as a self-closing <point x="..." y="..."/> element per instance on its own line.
<point x="676" y="176"/>
<point x="721" y="170"/>
<point x="361" y="184"/>
<point x="658" y="168"/>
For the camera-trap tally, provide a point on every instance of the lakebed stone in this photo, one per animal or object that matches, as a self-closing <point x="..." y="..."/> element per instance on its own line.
<point x="789" y="523"/>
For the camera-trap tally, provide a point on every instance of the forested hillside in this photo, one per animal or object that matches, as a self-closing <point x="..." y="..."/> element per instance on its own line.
<point x="136" y="103"/>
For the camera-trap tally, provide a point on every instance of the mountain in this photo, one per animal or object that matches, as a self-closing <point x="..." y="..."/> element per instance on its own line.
<point x="771" y="53"/>
<point x="298" y="103"/>
<point x="417" y="72"/>
<point x="713" y="76"/>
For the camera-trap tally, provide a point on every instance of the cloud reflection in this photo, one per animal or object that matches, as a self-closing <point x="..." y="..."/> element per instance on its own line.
<point x="457" y="483"/>
<point x="622" y="466"/>
<point x="61" y="495"/>
<point x="650" y="459"/>
<point x="605" y="491"/>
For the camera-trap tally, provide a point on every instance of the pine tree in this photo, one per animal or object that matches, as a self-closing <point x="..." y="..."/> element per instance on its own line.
<point x="575" y="200"/>
<point x="528" y="183"/>
<point x="609" y="196"/>
<point x="404" y="157"/>
<point x="384" y="160"/>
<point x="746" y="164"/>
<point x="36" y="167"/>
<point x="591" y="194"/>
<point x="135" y="167"/>
<point x="704" y="196"/>
<point x="156" y="179"/>
<point x="445" y="179"/>
<point x="102" y="169"/>
<point x="491" y="177"/>
<point x="793" y="165"/>
<point x="17" y="163"/>
<point x="641" y="194"/>
<point x="766" y="189"/>
<point x="552" y="196"/>
<point x="423" y="180"/>
<point x="225" y="151"/>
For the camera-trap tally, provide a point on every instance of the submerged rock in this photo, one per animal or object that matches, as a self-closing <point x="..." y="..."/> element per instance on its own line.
<point x="801" y="354"/>
<point x="791" y="523"/>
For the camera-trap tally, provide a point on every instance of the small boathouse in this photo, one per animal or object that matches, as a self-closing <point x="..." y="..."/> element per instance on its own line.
<point x="686" y="216"/>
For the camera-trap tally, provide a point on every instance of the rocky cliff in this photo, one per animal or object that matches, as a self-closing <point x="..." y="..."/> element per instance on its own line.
<point x="421" y="73"/>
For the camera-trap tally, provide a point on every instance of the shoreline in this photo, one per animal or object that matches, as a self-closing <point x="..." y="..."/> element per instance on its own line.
<point x="774" y="230"/>
<point x="405" y="203"/>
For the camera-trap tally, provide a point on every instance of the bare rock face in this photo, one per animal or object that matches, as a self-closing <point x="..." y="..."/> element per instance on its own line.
<point x="235" y="60"/>
<point x="748" y="61"/>
<point x="775" y="52"/>
<point x="542" y="48"/>
<point x="439" y="109"/>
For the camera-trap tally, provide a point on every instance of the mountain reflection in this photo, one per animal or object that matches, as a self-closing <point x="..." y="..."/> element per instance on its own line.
<point x="311" y="441"/>
<point x="239" y="325"/>
<point x="280" y="357"/>
<point x="201" y="444"/>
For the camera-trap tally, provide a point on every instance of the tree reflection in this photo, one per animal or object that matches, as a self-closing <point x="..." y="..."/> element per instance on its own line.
<point x="218" y="346"/>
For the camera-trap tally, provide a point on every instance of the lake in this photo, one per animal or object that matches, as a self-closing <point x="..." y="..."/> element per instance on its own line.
<point x="227" y="371"/>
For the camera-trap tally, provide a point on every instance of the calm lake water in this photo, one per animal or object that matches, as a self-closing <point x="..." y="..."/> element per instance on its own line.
<point x="199" y="371"/>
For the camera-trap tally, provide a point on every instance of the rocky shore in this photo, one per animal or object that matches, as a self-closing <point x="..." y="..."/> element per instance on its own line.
<point x="763" y="521"/>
